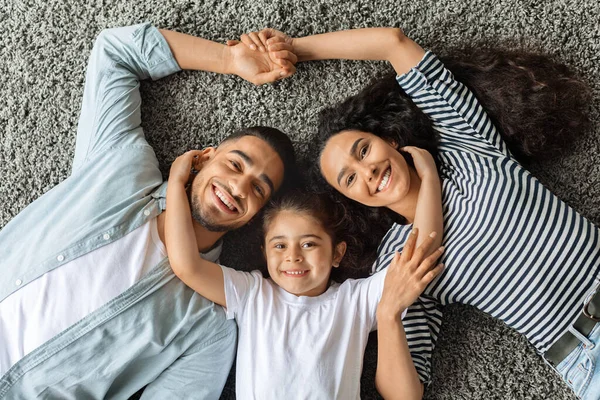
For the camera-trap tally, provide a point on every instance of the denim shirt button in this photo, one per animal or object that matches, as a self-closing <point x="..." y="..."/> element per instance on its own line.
<point x="60" y="258"/>
<point x="146" y="212"/>
<point x="106" y="236"/>
<point x="18" y="282"/>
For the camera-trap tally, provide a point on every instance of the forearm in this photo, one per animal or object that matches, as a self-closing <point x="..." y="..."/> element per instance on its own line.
<point x="389" y="44"/>
<point x="428" y="215"/>
<point x="196" y="53"/>
<point x="396" y="376"/>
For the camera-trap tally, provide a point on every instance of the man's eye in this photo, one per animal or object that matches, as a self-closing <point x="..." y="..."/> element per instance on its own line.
<point x="363" y="152"/>
<point x="350" y="179"/>
<point x="235" y="165"/>
<point x="259" y="190"/>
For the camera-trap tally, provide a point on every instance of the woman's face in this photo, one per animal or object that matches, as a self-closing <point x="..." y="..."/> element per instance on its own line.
<point x="365" y="168"/>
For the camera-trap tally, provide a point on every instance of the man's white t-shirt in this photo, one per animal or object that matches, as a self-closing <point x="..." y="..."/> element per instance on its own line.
<point x="56" y="300"/>
<point x="300" y="347"/>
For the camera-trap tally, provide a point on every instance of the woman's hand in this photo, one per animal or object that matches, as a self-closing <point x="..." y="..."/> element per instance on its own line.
<point x="256" y="67"/>
<point x="408" y="275"/>
<point x="424" y="163"/>
<point x="184" y="167"/>
<point x="278" y="45"/>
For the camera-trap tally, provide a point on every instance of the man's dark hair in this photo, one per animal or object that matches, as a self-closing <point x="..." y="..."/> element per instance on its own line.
<point x="280" y="143"/>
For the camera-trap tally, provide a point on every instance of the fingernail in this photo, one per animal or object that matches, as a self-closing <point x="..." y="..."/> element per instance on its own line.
<point x="253" y="47"/>
<point x="261" y="48"/>
<point x="432" y="234"/>
<point x="442" y="248"/>
<point x="442" y="266"/>
<point x="281" y="73"/>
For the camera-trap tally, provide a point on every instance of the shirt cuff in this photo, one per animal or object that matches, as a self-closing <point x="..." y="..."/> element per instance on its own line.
<point x="156" y="51"/>
<point x="427" y="70"/>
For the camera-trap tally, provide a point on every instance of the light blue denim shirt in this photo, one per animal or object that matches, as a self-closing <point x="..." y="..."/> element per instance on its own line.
<point x="114" y="188"/>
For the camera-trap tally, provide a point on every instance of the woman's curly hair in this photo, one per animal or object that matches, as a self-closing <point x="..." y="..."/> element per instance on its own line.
<point x="538" y="105"/>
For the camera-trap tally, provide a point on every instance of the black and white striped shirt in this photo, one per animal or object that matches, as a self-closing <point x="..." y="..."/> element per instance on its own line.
<point x="513" y="249"/>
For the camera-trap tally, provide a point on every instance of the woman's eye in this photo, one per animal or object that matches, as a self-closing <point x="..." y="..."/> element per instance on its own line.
<point x="350" y="179"/>
<point x="363" y="152"/>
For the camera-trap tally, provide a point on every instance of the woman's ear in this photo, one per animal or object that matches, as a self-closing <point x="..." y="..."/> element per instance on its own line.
<point x="391" y="142"/>
<point x="338" y="253"/>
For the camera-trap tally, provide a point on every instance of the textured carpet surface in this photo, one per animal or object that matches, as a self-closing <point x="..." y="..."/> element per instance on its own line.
<point x="45" y="44"/>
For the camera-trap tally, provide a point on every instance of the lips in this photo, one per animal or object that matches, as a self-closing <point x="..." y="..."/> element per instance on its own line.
<point x="295" y="273"/>
<point x="384" y="183"/>
<point x="223" y="200"/>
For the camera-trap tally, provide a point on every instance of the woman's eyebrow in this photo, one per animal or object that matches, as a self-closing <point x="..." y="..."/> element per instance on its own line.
<point x="352" y="151"/>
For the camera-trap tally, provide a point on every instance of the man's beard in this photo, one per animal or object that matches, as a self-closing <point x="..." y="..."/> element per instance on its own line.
<point x="205" y="221"/>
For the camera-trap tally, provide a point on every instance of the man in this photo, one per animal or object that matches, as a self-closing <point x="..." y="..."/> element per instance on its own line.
<point x="89" y="307"/>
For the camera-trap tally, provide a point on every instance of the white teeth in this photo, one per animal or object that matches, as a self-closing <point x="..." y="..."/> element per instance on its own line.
<point x="221" y="196"/>
<point x="294" y="272"/>
<point x="385" y="180"/>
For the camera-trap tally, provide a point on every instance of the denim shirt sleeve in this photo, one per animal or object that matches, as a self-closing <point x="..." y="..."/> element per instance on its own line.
<point x="110" y="112"/>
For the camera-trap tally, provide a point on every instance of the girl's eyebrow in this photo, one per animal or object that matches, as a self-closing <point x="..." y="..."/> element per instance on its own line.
<point x="279" y="237"/>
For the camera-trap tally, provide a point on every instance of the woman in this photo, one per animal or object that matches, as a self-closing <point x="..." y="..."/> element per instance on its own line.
<point x="513" y="249"/>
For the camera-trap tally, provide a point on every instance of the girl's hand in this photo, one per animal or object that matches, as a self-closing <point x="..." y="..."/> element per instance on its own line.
<point x="408" y="275"/>
<point x="184" y="167"/>
<point x="424" y="163"/>
<point x="280" y="47"/>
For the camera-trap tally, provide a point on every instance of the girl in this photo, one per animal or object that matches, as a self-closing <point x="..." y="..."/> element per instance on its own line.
<point x="300" y="333"/>
<point x="513" y="249"/>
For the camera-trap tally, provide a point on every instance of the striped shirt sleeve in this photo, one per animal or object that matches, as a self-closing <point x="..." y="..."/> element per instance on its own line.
<point x="453" y="109"/>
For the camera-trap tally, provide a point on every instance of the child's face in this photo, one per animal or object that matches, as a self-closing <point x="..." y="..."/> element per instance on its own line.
<point x="300" y="254"/>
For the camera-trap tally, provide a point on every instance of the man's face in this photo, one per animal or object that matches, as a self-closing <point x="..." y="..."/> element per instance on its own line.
<point x="234" y="183"/>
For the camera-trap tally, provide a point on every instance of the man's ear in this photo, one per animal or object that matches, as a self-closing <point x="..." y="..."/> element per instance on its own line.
<point x="207" y="154"/>
<point x="391" y="142"/>
<point x="338" y="253"/>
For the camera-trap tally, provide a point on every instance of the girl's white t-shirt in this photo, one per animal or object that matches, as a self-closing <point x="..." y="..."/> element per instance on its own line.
<point x="300" y="347"/>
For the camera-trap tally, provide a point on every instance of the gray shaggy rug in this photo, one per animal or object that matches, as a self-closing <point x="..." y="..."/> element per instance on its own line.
<point x="45" y="44"/>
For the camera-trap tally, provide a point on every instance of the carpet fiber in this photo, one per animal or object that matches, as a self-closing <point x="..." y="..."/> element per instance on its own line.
<point x="45" y="44"/>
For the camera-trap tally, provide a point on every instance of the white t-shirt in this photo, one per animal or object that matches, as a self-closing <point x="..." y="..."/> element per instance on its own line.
<point x="300" y="347"/>
<point x="58" y="299"/>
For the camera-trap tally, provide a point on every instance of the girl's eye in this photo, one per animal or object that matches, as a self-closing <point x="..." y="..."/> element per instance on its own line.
<point x="308" y="245"/>
<point x="363" y="152"/>
<point x="235" y="165"/>
<point x="279" y="246"/>
<point x="350" y="179"/>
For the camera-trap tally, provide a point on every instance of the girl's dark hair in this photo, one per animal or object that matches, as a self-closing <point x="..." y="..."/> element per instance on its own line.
<point x="538" y="105"/>
<point x="334" y="219"/>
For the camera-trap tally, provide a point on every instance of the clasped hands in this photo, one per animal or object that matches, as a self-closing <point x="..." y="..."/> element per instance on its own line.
<point x="262" y="57"/>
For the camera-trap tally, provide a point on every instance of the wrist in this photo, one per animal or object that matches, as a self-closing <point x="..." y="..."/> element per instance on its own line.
<point x="390" y="315"/>
<point x="227" y="61"/>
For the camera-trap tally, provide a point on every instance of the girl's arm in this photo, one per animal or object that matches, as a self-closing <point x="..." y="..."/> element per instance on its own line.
<point x="205" y="277"/>
<point x="406" y="278"/>
<point x="388" y="44"/>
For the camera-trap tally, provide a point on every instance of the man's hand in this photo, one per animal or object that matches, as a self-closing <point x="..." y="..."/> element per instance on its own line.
<point x="260" y="67"/>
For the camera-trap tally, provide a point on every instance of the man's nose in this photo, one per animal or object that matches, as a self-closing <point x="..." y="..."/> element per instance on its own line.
<point x="240" y="186"/>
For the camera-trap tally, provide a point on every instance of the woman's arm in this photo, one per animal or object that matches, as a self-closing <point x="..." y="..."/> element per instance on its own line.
<point x="406" y="278"/>
<point x="357" y="44"/>
<point x="205" y="277"/>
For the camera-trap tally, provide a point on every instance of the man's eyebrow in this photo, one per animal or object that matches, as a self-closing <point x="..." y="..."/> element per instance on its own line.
<point x="244" y="157"/>
<point x="352" y="151"/>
